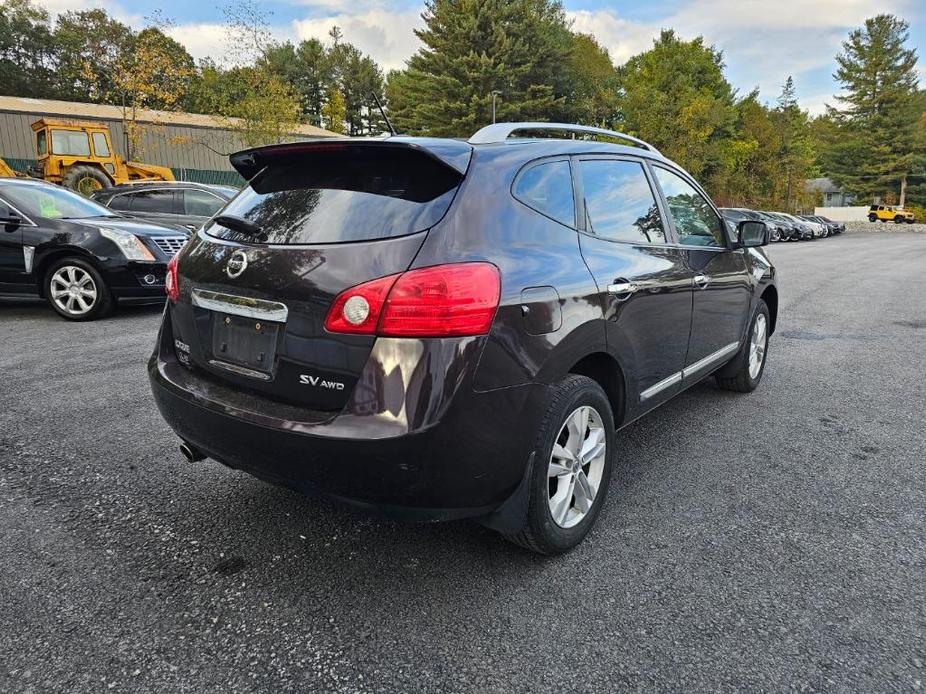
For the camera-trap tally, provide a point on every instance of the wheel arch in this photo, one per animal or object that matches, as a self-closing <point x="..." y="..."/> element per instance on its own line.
<point x="770" y="297"/>
<point x="48" y="259"/>
<point x="605" y="370"/>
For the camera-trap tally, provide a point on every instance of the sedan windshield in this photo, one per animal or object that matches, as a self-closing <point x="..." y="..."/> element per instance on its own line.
<point x="52" y="202"/>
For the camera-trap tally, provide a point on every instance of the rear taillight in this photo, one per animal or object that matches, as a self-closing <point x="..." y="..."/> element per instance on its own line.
<point x="439" y="301"/>
<point x="357" y="310"/>
<point x="171" y="283"/>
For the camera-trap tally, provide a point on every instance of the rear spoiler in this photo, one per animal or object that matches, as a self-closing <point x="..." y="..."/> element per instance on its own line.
<point x="453" y="154"/>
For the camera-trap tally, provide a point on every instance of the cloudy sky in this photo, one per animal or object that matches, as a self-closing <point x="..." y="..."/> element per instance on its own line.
<point x="763" y="40"/>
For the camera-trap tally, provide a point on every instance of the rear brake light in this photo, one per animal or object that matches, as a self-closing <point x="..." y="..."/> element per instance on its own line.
<point x="439" y="301"/>
<point x="171" y="282"/>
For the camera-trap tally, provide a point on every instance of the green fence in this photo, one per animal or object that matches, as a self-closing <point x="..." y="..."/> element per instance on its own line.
<point x="224" y="178"/>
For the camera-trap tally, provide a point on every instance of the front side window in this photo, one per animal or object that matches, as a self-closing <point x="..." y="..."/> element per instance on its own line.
<point x="100" y="146"/>
<point x="41" y="143"/>
<point x="547" y="188"/>
<point x="201" y="203"/>
<point x="70" y="143"/>
<point x="121" y="202"/>
<point x="695" y="220"/>
<point x="161" y="201"/>
<point x="619" y="203"/>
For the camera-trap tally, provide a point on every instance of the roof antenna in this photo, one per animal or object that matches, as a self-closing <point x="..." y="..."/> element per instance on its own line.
<point x="383" y="112"/>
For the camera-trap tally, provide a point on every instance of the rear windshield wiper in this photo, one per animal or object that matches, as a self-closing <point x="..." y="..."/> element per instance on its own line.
<point x="239" y="224"/>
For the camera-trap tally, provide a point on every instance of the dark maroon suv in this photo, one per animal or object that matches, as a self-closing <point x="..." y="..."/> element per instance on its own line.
<point x="437" y="329"/>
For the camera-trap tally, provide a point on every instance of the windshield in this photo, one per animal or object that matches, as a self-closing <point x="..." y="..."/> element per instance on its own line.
<point x="52" y="202"/>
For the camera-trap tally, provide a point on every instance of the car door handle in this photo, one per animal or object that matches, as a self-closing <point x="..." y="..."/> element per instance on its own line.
<point x="622" y="288"/>
<point x="702" y="280"/>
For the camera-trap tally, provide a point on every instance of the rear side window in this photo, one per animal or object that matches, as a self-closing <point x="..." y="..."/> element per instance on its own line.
<point x="201" y="203"/>
<point x="337" y="196"/>
<point x="619" y="203"/>
<point x="547" y="188"/>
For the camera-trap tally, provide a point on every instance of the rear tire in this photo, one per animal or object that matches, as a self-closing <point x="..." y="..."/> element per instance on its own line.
<point x="76" y="290"/>
<point x="570" y="465"/>
<point x="85" y="180"/>
<point x="744" y="373"/>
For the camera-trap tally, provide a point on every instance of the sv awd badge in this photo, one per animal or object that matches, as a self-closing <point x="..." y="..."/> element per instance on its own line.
<point x="317" y="382"/>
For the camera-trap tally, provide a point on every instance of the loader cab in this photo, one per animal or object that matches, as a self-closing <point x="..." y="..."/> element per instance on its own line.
<point x="77" y="155"/>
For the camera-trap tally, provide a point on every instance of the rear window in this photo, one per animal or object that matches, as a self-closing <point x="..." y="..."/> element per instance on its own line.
<point x="339" y="198"/>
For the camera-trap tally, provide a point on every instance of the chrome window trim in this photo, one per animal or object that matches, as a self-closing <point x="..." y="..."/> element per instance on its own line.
<point x="18" y="211"/>
<point x="245" y="306"/>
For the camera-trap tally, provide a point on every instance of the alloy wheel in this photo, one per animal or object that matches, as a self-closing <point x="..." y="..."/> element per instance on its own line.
<point x="576" y="466"/>
<point x="757" y="345"/>
<point x="73" y="290"/>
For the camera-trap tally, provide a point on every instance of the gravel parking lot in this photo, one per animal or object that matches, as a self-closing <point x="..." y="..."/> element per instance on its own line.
<point x="759" y="542"/>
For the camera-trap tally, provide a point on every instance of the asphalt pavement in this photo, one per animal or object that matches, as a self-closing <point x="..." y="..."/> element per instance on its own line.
<point x="770" y="541"/>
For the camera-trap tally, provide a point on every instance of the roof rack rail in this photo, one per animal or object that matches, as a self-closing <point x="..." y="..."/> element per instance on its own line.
<point x="499" y="132"/>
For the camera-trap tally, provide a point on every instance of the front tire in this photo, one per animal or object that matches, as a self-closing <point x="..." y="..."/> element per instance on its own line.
<point x="77" y="291"/>
<point x="743" y="374"/>
<point x="872" y="218"/>
<point x="573" y="460"/>
<point x="85" y="180"/>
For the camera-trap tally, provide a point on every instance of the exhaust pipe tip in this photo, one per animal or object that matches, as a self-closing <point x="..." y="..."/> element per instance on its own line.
<point x="191" y="453"/>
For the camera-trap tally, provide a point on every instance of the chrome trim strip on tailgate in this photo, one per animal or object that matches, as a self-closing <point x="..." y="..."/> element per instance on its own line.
<point x="246" y="306"/>
<point x="240" y="370"/>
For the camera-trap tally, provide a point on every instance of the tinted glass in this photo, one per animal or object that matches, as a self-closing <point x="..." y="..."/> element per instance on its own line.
<point x="41" y="143"/>
<point x="71" y="142"/>
<point x="619" y="203"/>
<point x="547" y="188"/>
<point x="695" y="220"/>
<point x="99" y="145"/>
<point x="201" y="203"/>
<point x="53" y="202"/>
<point x="153" y="201"/>
<point x="365" y="196"/>
<point x="121" y="202"/>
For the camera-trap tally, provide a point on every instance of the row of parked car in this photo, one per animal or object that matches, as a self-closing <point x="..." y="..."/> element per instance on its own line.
<point x="787" y="227"/>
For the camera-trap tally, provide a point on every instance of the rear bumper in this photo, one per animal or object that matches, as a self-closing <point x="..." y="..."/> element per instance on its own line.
<point x="467" y="463"/>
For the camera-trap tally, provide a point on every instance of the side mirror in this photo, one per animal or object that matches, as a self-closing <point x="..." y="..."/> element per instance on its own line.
<point x="11" y="221"/>
<point x="751" y="233"/>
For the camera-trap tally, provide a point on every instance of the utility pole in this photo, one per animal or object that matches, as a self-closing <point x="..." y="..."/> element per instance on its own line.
<point x="495" y="93"/>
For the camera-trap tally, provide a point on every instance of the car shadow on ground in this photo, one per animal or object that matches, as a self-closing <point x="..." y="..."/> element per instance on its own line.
<point x="311" y="538"/>
<point x="38" y="309"/>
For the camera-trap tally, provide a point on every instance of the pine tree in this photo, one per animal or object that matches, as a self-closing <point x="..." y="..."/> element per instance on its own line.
<point x="472" y="48"/>
<point x="878" y="144"/>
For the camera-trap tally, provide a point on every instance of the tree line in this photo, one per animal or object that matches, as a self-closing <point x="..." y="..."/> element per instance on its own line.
<point x="524" y="55"/>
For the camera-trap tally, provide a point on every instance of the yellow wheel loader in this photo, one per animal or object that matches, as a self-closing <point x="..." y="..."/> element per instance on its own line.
<point x="79" y="155"/>
<point x="5" y="170"/>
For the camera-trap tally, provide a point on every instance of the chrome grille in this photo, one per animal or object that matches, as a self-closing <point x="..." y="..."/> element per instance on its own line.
<point x="171" y="245"/>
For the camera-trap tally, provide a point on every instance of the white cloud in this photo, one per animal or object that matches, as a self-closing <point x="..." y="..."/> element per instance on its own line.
<point x="388" y="37"/>
<point x="623" y="38"/>
<point x="202" y="40"/>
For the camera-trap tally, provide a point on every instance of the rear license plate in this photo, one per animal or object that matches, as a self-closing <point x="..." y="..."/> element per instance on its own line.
<point x="244" y="342"/>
